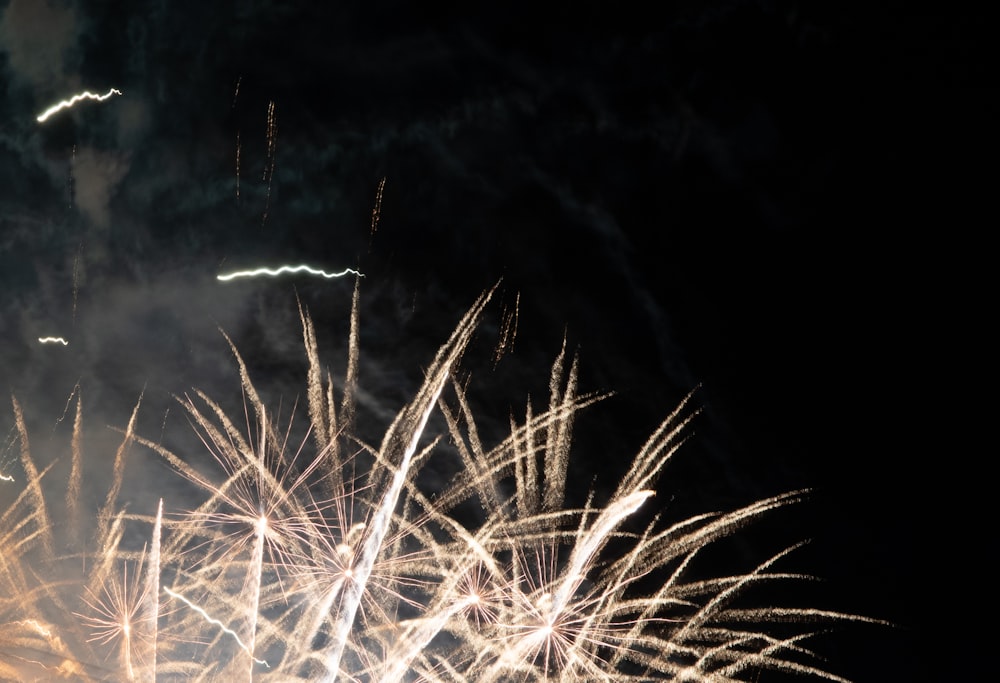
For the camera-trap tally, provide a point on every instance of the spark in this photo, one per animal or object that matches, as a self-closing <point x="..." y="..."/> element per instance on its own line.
<point x="77" y="270"/>
<point x="114" y="616"/>
<point x="377" y="209"/>
<point x="332" y="559"/>
<point x="508" y="332"/>
<point x="272" y="142"/>
<point x="53" y="340"/>
<point x="66" y="104"/>
<point x="237" y="166"/>
<point x="215" y="622"/>
<point x="287" y="269"/>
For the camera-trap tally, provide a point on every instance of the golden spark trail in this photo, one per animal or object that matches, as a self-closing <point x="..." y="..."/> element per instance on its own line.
<point x="215" y="622"/>
<point x="66" y="104"/>
<point x="272" y="142"/>
<point x="237" y="167"/>
<point x="287" y="269"/>
<point x="77" y="268"/>
<point x="53" y="340"/>
<point x="377" y="209"/>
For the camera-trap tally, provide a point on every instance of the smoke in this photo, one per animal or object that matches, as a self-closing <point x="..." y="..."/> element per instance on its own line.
<point x="97" y="174"/>
<point x="40" y="38"/>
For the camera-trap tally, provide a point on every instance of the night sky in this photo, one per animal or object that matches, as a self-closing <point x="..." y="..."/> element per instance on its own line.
<point x="725" y="195"/>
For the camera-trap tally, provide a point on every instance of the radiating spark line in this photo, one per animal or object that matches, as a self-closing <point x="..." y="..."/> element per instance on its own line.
<point x="153" y="588"/>
<point x="66" y="104"/>
<point x="508" y="332"/>
<point x="380" y="524"/>
<point x="5" y="477"/>
<point x="53" y="340"/>
<point x="287" y="269"/>
<point x="215" y="622"/>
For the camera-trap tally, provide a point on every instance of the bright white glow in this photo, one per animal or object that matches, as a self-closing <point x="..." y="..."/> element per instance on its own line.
<point x="5" y="477"/>
<point x="53" y="340"/>
<point x="66" y="104"/>
<point x="287" y="269"/>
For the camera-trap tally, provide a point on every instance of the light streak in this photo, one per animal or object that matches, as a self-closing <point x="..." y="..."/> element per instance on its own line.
<point x="377" y="209"/>
<point x="380" y="522"/>
<point x="508" y="332"/>
<point x="215" y="622"/>
<point x="272" y="142"/>
<point x="5" y="477"/>
<point x="77" y="270"/>
<point x="66" y="104"/>
<point x="287" y="269"/>
<point x="237" y="167"/>
<point x="152" y="587"/>
<point x="53" y="340"/>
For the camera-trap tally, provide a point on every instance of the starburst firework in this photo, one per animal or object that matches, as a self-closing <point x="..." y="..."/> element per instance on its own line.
<point x="318" y="556"/>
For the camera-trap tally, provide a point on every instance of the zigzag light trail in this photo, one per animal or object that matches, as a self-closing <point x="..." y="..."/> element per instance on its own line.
<point x="53" y="340"/>
<point x="212" y="620"/>
<point x="257" y="272"/>
<point x="66" y="104"/>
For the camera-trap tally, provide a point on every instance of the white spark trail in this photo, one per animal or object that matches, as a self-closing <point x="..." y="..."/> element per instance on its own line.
<point x="53" y="340"/>
<point x="153" y="588"/>
<point x="216" y="622"/>
<point x="287" y="269"/>
<point x="380" y="524"/>
<point x="5" y="477"/>
<point x="66" y="104"/>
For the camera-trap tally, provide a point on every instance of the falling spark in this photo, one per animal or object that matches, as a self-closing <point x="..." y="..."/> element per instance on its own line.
<point x="287" y="269"/>
<point x="272" y="142"/>
<point x="377" y="209"/>
<point x="237" y="167"/>
<point x="66" y="104"/>
<point x="215" y="622"/>
<point x="72" y="179"/>
<point x="508" y="332"/>
<point x="236" y="93"/>
<point x="53" y="340"/>
<point x="77" y="272"/>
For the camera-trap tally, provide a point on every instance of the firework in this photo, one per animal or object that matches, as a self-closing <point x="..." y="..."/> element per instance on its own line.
<point x="314" y="555"/>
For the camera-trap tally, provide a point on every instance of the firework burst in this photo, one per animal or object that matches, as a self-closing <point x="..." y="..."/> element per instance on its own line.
<point x="317" y="556"/>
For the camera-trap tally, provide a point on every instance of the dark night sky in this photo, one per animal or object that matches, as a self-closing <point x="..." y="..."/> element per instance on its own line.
<point x="753" y="197"/>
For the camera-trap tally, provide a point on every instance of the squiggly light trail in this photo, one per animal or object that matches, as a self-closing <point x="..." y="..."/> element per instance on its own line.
<point x="216" y="622"/>
<point x="66" y="104"/>
<point x="6" y="477"/>
<point x="53" y="340"/>
<point x="287" y="269"/>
